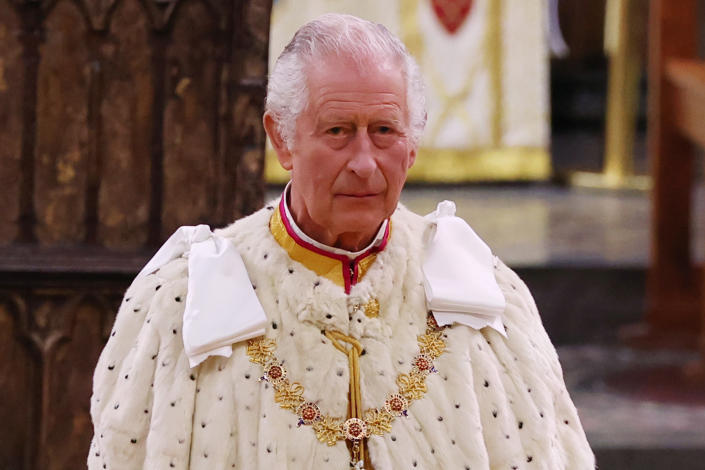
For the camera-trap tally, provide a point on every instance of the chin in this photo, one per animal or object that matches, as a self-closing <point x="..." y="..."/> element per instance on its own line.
<point x="357" y="222"/>
<point x="362" y="214"/>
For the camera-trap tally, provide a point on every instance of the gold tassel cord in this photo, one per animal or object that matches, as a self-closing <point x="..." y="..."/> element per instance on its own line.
<point x="354" y="364"/>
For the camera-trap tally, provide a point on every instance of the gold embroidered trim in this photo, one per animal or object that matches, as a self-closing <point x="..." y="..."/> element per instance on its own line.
<point x="378" y="421"/>
<point x="372" y="308"/>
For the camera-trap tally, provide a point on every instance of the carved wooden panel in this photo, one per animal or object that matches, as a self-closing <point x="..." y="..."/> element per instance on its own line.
<point x="123" y="119"/>
<point x="191" y="88"/>
<point x="15" y="387"/>
<point x="250" y="45"/>
<point x="10" y="121"/>
<point x="119" y="121"/>
<point x="62" y="149"/>
<point x="70" y="352"/>
<point x="51" y="339"/>
<point x="126" y="117"/>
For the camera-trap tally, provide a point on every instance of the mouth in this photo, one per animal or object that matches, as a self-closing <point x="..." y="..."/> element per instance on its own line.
<point x="358" y="195"/>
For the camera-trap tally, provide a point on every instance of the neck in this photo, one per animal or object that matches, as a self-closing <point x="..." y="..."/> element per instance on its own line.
<point x="350" y="241"/>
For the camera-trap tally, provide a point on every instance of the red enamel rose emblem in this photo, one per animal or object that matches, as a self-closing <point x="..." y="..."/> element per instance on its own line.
<point x="355" y="429"/>
<point x="308" y="413"/>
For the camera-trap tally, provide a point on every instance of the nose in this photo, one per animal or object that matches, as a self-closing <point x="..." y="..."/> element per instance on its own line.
<point x="362" y="161"/>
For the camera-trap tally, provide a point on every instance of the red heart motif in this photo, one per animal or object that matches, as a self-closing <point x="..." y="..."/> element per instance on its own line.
<point x="452" y="13"/>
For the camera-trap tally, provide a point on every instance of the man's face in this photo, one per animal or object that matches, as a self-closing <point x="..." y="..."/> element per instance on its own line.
<point x="351" y="151"/>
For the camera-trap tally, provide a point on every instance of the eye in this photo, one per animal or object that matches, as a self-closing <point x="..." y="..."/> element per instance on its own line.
<point x="384" y="134"/>
<point x="384" y="129"/>
<point x="337" y="130"/>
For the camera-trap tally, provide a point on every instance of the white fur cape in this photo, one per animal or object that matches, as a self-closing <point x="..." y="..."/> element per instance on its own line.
<point x="494" y="403"/>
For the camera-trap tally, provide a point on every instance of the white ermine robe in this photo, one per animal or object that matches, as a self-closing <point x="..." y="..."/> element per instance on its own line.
<point x="494" y="402"/>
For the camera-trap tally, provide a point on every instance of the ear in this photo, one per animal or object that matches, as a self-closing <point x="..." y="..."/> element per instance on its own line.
<point x="272" y="129"/>
<point x="412" y="157"/>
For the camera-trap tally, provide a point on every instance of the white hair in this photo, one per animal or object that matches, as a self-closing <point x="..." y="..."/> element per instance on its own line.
<point x="345" y="36"/>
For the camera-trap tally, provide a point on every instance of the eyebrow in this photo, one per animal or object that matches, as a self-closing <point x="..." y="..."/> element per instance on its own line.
<point x="391" y="117"/>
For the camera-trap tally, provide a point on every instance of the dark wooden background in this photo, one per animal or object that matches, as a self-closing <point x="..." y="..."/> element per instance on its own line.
<point x="120" y="120"/>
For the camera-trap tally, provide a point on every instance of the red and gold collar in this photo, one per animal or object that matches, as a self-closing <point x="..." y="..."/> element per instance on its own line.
<point x="335" y="267"/>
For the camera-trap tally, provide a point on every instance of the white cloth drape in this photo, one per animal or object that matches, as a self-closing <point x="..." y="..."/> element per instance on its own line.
<point x="459" y="273"/>
<point x="221" y="305"/>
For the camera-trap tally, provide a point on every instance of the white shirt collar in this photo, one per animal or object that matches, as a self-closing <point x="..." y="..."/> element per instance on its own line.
<point x="378" y="240"/>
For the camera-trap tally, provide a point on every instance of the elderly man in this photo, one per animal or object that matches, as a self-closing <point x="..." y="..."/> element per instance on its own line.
<point x="334" y="328"/>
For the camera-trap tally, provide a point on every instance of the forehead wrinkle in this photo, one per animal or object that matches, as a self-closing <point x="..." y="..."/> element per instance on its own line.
<point x="387" y="111"/>
<point x="343" y="109"/>
<point x="373" y="91"/>
<point x="355" y="97"/>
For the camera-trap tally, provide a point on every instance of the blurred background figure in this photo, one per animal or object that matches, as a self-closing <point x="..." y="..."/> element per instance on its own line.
<point x="486" y="70"/>
<point x="575" y="152"/>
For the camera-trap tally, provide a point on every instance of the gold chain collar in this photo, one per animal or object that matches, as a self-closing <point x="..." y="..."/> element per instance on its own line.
<point x="374" y="421"/>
